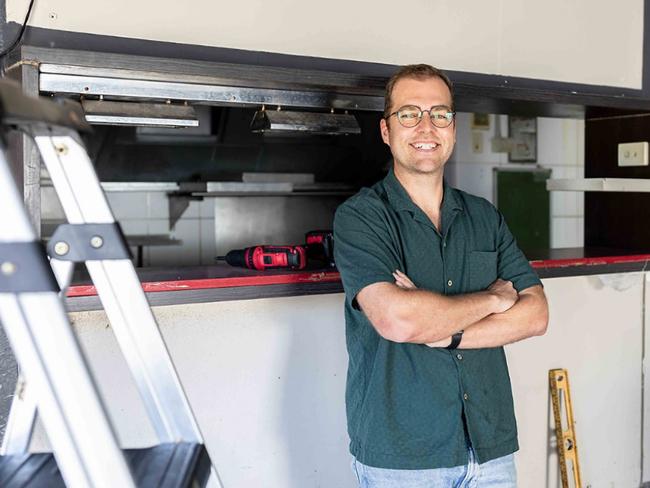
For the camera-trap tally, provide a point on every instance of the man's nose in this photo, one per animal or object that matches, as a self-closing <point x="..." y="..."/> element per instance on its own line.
<point x="427" y="122"/>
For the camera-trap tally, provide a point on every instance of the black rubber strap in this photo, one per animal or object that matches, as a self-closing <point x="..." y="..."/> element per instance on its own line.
<point x="25" y="268"/>
<point x="77" y="239"/>
<point x="455" y="340"/>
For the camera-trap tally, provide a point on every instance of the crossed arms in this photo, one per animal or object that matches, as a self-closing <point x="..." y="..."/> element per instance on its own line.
<point x="494" y="317"/>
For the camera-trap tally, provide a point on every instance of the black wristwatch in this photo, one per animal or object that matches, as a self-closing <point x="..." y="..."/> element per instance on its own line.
<point x="455" y="340"/>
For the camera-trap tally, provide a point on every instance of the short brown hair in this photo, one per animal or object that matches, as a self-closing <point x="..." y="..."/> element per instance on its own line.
<point x="418" y="71"/>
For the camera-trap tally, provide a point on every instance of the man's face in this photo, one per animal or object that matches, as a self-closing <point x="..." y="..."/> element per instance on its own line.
<point x="425" y="148"/>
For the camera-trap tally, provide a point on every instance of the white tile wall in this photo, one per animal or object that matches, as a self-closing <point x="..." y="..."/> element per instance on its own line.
<point x="564" y="231"/>
<point x="147" y="213"/>
<point x="185" y="254"/>
<point x="192" y="211"/>
<point x="206" y="208"/>
<point x="581" y="205"/>
<point x="208" y="244"/>
<point x="157" y="205"/>
<point x="129" y="205"/>
<point x="567" y="204"/>
<point x="135" y="227"/>
<point x="580" y="224"/>
<point x="550" y="141"/>
<point x="477" y="179"/>
<point x="560" y="148"/>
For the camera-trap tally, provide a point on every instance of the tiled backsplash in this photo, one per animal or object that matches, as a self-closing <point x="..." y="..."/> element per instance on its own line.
<point x="560" y="144"/>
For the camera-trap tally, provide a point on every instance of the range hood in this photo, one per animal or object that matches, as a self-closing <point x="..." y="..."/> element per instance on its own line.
<point x="102" y="112"/>
<point x="286" y="122"/>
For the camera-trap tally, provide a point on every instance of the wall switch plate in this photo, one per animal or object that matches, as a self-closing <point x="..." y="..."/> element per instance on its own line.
<point x="633" y="154"/>
<point x="477" y="142"/>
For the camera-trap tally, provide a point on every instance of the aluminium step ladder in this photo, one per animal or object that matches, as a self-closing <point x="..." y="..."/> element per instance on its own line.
<point x="60" y="386"/>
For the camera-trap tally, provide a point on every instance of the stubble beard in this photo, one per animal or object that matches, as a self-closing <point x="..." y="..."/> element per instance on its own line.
<point x="415" y="168"/>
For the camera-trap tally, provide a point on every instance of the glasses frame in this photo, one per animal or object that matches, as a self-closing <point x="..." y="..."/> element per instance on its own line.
<point x="421" y="115"/>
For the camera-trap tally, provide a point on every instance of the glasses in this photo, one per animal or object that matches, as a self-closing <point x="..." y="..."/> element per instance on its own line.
<point x="410" y="115"/>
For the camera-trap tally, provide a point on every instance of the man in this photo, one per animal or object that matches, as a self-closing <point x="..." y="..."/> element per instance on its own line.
<point x="435" y="286"/>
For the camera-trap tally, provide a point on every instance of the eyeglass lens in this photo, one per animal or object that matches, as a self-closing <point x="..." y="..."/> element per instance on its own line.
<point x="411" y="115"/>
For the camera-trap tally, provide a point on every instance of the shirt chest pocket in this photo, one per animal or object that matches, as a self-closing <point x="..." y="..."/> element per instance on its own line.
<point x="482" y="269"/>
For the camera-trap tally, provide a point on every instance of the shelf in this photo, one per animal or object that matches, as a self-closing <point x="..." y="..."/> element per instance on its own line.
<point x="111" y="186"/>
<point x="600" y="184"/>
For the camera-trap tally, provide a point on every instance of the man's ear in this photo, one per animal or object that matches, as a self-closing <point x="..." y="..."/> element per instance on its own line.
<point x="383" y="128"/>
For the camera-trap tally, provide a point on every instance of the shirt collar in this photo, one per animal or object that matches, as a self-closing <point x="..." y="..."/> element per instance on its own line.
<point x="400" y="199"/>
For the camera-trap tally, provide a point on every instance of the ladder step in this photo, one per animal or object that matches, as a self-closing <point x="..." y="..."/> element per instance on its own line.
<point x="161" y="466"/>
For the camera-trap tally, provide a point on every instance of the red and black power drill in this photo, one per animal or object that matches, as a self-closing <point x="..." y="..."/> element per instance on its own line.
<point x="319" y="248"/>
<point x="268" y="257"/>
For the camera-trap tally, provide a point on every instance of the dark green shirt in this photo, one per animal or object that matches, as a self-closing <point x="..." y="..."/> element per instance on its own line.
<point x="406" y="402"/>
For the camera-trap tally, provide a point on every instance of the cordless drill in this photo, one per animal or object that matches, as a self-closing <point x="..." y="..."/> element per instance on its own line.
<point x="268" y="257"/>
<point x="320" y="247"/>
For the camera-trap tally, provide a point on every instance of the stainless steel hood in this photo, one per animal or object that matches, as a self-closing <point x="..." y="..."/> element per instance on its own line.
<point x="291" y="122"/>
<point x="102" y="112"/>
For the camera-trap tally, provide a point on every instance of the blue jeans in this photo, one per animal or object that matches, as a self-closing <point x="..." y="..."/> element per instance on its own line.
<point x="498" y="473"/>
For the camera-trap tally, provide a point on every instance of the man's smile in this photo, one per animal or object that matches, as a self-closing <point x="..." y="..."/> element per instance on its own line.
<point x="425" y="146"/>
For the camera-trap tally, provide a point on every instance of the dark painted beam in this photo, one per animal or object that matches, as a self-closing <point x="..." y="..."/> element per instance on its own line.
<point x="474" y="92"/>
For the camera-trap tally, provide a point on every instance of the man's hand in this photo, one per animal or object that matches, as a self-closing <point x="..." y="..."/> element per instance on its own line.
<point x="506" y="294"/>
<point x="403" y="281"/>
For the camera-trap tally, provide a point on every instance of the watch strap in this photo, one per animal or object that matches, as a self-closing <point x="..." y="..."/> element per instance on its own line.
<point x="455" y="340"/>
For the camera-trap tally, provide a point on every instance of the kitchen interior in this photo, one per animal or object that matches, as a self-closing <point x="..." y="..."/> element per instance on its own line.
<point x="199" y="192"/>
<point x="261" y="354"/>
<point x="144" y="169"/>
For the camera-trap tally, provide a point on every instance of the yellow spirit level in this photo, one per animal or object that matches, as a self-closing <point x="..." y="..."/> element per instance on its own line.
<point x="567" y="448"/>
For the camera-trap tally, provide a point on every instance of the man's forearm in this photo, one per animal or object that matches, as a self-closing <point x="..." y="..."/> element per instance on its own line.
<point x="527" y="318"/>
<point x="421" y="316"/>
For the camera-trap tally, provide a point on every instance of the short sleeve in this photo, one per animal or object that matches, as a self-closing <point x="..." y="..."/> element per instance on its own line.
<point x="513" y="264"/>
<point x="363" y="249"/>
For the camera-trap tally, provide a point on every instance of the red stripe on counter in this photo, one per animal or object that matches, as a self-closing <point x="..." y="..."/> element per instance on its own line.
<point x="563" y="263"/>
<point x="327" y="276"/>
<point x="202" y="284"/>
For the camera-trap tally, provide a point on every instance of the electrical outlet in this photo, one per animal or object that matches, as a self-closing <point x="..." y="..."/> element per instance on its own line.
<point x="633" y="154"/>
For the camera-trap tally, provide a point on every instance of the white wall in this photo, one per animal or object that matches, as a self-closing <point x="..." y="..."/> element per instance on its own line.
<point x="560" y="147"/>
<point x="266" y="380"/>
<point x="582" y="41"/>
<point x="596" y="332"/>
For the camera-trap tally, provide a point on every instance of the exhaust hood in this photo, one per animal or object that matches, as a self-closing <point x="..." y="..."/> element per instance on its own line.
<point x="290" y="122"/>
<point x="102" y="112"/>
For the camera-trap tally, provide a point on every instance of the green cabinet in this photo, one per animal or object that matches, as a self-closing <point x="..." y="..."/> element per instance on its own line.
<point x="522" y="197"/>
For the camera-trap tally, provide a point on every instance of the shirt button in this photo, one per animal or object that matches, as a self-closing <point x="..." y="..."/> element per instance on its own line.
<point x="449" y="283"/>
<point x="459" y="356"/>
<point x="444" y="243"/>
<point x="465" y="396"/>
